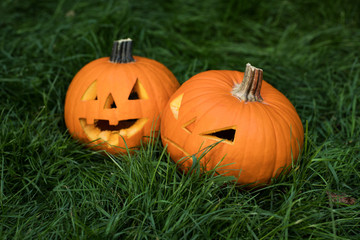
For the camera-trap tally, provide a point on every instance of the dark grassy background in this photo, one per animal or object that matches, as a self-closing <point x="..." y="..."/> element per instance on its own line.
<point x="53" y="188"/>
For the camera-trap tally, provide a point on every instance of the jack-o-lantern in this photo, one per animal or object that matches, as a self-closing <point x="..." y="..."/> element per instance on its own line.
<point x="253" y="129"/>
<point x="114" y="103"/>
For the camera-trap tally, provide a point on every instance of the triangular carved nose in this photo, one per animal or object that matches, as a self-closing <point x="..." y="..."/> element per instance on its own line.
<point x="110" y="103"/>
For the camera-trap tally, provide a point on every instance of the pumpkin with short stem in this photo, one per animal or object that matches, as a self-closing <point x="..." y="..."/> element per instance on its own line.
<point x="113" y="103"/>
<point x="253" y="129"/>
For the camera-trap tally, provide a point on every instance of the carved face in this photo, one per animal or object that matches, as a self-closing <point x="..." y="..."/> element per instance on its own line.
<point x="254" y="141"/>
<point x="194" y="134"/>
<point x="114" y="106"/>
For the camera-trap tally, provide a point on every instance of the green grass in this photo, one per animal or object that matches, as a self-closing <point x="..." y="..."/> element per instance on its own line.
<point x="52" y="187"/>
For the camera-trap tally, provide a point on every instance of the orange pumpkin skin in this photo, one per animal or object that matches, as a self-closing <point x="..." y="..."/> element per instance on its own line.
<point x="259" y="139"/>
<point x="101" y="83"/>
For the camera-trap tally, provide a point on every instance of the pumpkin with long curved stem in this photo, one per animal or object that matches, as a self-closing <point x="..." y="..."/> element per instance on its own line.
<point x="113" y="103"/>
<point x="255" y="131"/>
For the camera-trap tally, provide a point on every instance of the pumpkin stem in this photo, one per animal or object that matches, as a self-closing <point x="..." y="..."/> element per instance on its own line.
<point x="249" y="89"/>
<point x="122" y="51"/>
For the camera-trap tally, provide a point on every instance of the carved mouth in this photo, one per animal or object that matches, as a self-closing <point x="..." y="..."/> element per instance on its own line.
<point x="177" y="146"/>
<point x="110" y="133"/>
<point x="104" y="125"/>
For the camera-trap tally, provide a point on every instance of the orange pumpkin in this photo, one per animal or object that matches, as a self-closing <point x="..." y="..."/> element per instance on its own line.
<point x="113" y="103"/>
<point x="255" y="131"/>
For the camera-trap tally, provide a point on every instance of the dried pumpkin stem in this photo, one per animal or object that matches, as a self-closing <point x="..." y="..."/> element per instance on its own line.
<point x="249" y="89"/>
<point x="122" y="51"/>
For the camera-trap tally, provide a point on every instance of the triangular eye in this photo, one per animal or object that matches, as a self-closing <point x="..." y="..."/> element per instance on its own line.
<point x="175" y="105"/>
<point x="133" y="96"/>
<point x="110" y="103"/>
<point x="138" y="92"/>
<point x="225" y="134"/>
<point x="90" y="93"/>
<point x="190" y="125"/>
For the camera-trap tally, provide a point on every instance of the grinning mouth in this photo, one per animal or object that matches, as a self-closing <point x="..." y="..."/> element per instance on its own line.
<point x="104" y="125"/>
<point x="110" y="133"/>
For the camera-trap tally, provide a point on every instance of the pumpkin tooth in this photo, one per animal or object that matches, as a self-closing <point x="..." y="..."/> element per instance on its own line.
<point x="105" y="135"/>
<point x="123" y="132"/>
<point x="113" y="122"/>
<point x="90" y="121"/>
<point x="92" y="131"/>
<point x="114" y="138"/>
<point x="136" y="127"/>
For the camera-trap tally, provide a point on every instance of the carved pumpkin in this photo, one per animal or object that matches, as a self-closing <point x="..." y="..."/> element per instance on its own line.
<point x="113" y="103"/>
<point x="255" y="130"/>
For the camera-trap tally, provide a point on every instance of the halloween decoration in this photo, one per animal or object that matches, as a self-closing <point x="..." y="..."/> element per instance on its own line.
<point x="253" y="128"/>
<point x="113" y="103"/>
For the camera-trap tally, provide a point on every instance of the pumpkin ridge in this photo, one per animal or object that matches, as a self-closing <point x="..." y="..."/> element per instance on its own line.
<point x="159" y="66"/>
<point x="280" y="103"/>
<point x="276" y="139"/>
<point x="291" y="114"/>
<point x="243" y="155"/>
<point x="285" y="134"/>
<point x="128" y="73"/>
<point x="161" y="83"/>
<point x="150" y="89"/>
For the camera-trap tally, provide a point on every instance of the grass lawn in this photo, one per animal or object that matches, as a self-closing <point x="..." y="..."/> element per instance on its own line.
<point x="52" y="187"/>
